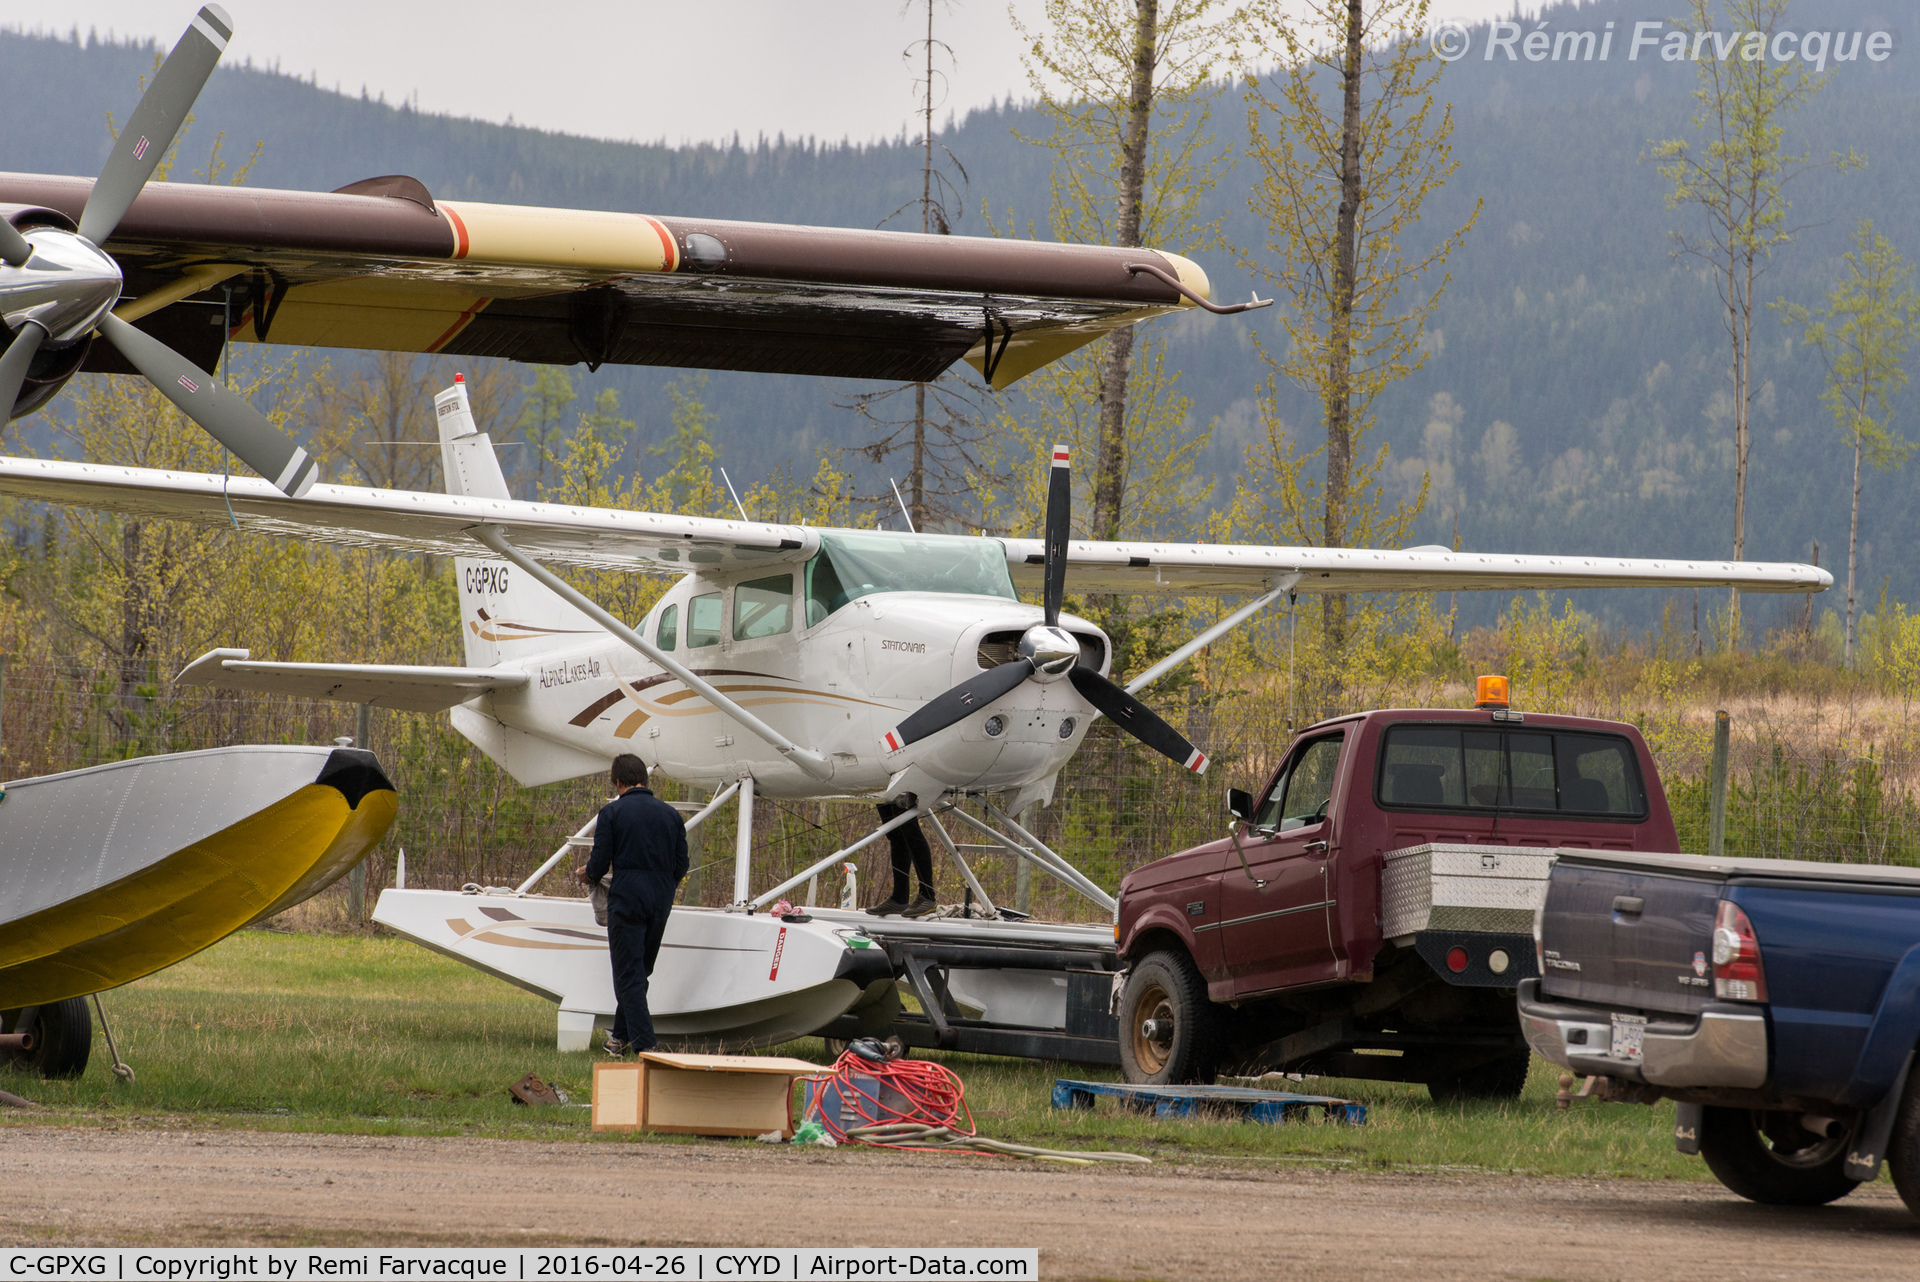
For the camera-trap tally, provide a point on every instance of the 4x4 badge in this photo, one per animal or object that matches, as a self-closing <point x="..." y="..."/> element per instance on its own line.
<point x="1700" y="964"/>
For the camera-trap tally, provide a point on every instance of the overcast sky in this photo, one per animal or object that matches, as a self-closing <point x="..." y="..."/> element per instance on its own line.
<point x="626" y="69"/>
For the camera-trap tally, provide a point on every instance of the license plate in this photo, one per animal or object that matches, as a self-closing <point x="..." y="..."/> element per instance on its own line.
<point x="1629" y="1032"/>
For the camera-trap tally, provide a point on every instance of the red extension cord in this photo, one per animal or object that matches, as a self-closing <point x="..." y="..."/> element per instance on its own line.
<point x="934" y="1096"/>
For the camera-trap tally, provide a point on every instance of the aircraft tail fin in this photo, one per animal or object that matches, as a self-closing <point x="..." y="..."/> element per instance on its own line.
<point x="503" y="613"/>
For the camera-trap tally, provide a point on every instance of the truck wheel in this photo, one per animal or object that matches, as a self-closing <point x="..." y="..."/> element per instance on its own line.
<point x="1768" y="1157"/>
<point x="1169" y="1031"/>
<point x="1903" y="1146"/>
<point x="62" y="1037"/>
<point x="1503" y="1079"/>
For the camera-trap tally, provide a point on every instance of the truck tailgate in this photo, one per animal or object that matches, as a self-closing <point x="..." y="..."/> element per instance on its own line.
<point x="1632" y="938"/>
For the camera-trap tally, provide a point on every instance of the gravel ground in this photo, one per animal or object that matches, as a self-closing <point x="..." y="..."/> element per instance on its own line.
<point x="105" y="1187"/>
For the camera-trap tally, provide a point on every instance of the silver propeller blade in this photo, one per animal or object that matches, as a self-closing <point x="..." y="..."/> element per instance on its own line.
<point x="13" y="366"/>
<point x="1136" y="719"/>
<point x="14" y="248"/>
<point x="151" y="128"/>
<point x="227" y="418"/>
<point x="964" y="699"/>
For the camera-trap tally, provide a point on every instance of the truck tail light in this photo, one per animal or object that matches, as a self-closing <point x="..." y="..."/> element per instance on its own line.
<point x="1737" y="975"/>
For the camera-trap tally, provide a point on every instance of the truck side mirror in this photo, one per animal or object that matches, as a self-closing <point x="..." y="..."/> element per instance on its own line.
<point x="1240" y="804"/>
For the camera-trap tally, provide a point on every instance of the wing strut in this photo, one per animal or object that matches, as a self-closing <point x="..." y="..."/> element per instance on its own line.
<point x="807" y="759"/>
<point x="989" y="358"/>
<point x="1284" y="585"/>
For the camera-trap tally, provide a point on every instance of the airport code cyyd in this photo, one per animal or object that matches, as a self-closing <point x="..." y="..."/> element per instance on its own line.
<point x="781" y="1264"/>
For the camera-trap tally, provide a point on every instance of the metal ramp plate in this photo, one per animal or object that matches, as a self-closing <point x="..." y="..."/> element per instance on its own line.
<point x="1271" y="1108"/>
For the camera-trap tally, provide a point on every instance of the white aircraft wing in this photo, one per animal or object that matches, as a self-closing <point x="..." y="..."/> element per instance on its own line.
<point x="389" y="685"/>
<point x="606" y="538"/>
<point x="1225" y="569"/>
<point x="411" y="521"/>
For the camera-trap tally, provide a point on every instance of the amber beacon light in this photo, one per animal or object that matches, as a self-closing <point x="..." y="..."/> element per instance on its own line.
<point x="1490" y="692"/>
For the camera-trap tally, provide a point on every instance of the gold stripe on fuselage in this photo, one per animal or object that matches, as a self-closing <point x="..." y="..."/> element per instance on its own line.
<point x="662" y="706"/>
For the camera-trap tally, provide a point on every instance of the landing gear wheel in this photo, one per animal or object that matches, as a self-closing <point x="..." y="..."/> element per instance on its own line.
<point x="1769" y="1157"/>
<point x="62" y="1037"/>
<point x="1903" y="1146"/>
<point x="1502" y="1079"/>
<point x="1169" y="1031"/>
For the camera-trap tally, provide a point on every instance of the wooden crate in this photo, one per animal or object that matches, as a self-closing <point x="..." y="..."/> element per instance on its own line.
<point x="698" y="1094"/>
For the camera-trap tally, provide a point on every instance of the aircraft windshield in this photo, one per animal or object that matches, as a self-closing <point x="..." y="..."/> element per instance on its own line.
<point x="851" y="565"/>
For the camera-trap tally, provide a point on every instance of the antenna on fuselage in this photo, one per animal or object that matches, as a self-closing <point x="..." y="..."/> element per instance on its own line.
<point x="736" y="495"/>
<point x="903" y="505"/>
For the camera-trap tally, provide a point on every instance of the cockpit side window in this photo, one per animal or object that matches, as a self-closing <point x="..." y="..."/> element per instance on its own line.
<point x="824" y="593"/>
<point x="703" y="620"/>
<point x="763" y="607"/>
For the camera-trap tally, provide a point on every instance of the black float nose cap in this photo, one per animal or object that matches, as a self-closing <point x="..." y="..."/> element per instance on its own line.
<point x="353" y="773"/>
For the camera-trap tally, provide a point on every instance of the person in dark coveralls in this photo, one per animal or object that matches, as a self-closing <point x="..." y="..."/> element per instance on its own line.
<point x="908" y="845"/>
<point x="643" y="841"/>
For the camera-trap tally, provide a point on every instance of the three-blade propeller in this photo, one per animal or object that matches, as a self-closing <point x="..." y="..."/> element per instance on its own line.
<point x="1048" y="652"/>
<point x="57" y="287"/>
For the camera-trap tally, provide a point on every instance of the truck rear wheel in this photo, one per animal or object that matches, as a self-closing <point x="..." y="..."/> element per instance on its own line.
<point x="1903" y="1146"/>
<point x="1169" y="1031"/>
<point x="1768" y="1157"/>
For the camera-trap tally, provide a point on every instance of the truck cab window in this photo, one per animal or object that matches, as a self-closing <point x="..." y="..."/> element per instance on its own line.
<point x="1423" y="767"/>
<point x="1485" y="767"/>
<point x="1530" y="772"/>
<point x="1308" y="787"/>
<point x="1597" y="776"/>
<point x="1435" y="767"/>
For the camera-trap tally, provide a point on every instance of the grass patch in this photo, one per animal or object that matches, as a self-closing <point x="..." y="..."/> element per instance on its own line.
<point x="372" y="1035"/>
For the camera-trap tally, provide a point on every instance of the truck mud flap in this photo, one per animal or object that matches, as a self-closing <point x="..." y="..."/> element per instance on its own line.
<point x="1869" y="1148"/>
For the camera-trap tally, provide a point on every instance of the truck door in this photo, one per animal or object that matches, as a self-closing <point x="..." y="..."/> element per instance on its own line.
<point x="1277" y="934"/>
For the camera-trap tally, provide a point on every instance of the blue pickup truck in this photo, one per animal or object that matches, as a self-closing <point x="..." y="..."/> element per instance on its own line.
<point x="1776" y="1000"/>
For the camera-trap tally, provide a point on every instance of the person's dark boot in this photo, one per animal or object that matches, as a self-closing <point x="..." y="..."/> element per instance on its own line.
<point x="924" y="906"/>
<point x="892" y="908"/>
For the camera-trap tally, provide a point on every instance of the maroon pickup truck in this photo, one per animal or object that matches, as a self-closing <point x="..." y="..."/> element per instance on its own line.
<point x="1369" y="913"/>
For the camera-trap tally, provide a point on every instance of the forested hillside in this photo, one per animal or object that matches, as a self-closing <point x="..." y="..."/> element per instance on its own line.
<point x="1575" y="398"/>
